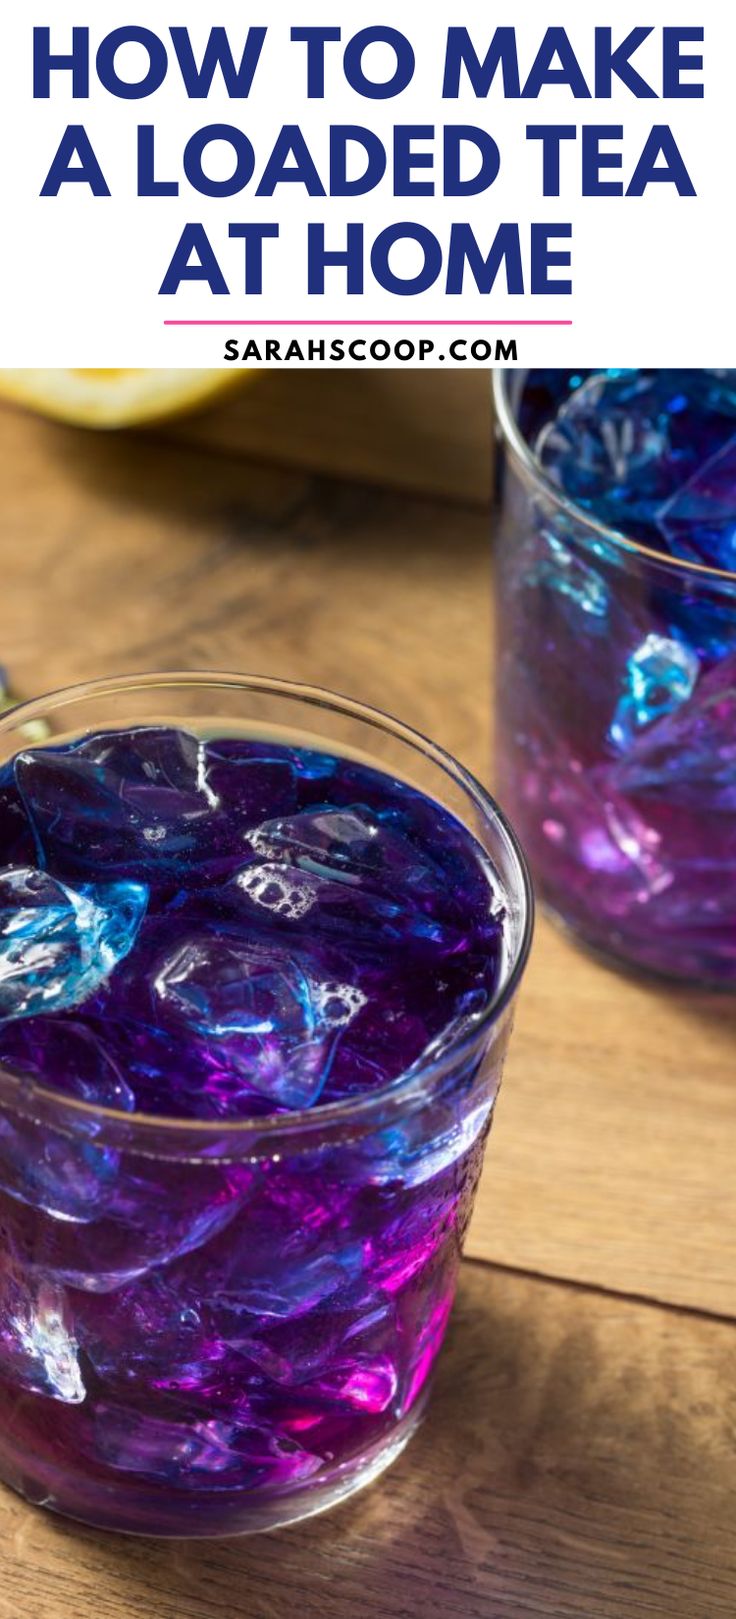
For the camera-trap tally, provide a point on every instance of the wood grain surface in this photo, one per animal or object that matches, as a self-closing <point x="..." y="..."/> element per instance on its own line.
<point x="615" y="1145"/>
<point x="579" y="1459"/>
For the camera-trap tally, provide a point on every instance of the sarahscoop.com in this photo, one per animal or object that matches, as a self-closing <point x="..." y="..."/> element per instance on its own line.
<point x="376" y="350"/>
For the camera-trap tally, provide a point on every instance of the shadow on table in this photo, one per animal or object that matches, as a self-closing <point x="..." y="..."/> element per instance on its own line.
<point x="190" y="482"/>
<point x="426" y="432"/>
<point x="562" y="1470"/>
<point x="251" y="502"/>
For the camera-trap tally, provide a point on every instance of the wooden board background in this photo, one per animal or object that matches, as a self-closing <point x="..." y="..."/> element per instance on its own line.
<point x="428" y="432"/>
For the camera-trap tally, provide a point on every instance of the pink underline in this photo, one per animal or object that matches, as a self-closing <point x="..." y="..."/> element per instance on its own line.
<point x="463" y="323"/>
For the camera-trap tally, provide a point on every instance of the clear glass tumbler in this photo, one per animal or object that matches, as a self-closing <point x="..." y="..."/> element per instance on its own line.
<point x="630" y="830"/>
<point x="139" y="1390"/>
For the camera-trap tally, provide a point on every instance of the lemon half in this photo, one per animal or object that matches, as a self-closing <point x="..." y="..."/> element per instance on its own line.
<point x="110" y="399"/>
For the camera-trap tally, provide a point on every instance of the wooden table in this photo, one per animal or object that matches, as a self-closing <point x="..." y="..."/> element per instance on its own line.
<point x="578" y="1459"/>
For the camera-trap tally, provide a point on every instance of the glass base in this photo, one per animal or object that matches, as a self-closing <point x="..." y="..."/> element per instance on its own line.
<point x="625" y="960"/>
<point x="202" y="1515"/>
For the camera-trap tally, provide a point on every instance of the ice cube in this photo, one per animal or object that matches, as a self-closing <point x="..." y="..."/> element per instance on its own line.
<point x="578" y="609"/>
<point x="143" y="1222"/>
<point x="424" y="1348"/>
<point x="290" y="1289"/>
<point x="72" y="1177"/>
<point x="70" y="1180"/>
<point x="713" y="389"/>
<point x="611" y="445"/>
<point x="602" y="850"/>
<point x="652" y="455"/>
<point x="288" y="1310"/>
<point x="585" y="599"/>
<point x="274" y="1023"/>
<point x="690" y="755"/>
<point x="59" y="944"/>
<point x="110" y="796"/>
<point x="348" y="845"/>
<point x="703" y="619"/>
<point x="38" y="1349"/>
<point x="192" y="1455"/>
<point x="335" y="908"/>
<point x="363" y="1384"/>
<point x="688" y="909"/>
<point x="660" y="676"/>
<point x="292" y="1352"/>
<point x="147" y="801"/>
<point x="149" y="1334"/>
<point x="68" y="1055"/>
<point x="220" y="987"/>
<point x="699" y="519"/>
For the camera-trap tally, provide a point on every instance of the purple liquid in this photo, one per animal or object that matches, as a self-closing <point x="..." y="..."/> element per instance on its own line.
<point x="229" y="931"/>
<point x="617" y="691"/>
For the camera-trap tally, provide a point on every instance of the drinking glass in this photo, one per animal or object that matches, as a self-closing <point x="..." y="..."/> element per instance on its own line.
<point x="215" y="1327"/>
<point x="629" y="827"/>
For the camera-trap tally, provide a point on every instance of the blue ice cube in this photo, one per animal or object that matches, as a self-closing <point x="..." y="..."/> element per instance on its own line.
<point x="582" y="590"/>
<point x="107" y="795"/>
<point x="688" y="759"/>
<point x="660" y="675"/>
<point x="59" y="944"/>
<point x="699" y="520"/>
<point x="148" y="802"/>
<point x="611" y="445"/>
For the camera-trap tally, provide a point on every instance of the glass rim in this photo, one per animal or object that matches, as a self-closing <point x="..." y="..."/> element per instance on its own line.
<point x="408" y="1085"/>
<point x="529" y="463"/>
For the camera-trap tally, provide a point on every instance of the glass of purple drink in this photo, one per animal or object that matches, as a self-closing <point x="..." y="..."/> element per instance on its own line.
<point x="616" y="692"/>
<point x="259" y="949"/>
